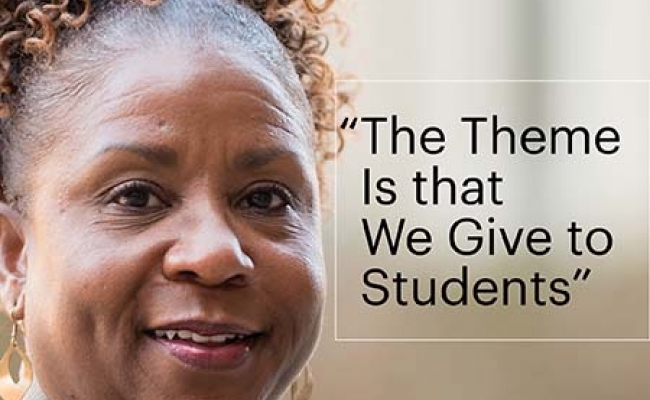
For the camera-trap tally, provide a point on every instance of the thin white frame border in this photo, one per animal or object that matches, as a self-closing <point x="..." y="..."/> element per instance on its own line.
<point x="338" y="339"/>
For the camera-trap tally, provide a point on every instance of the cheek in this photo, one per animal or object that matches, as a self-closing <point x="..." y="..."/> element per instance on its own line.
<point x="290" y="265"/>
<point x="292" y="275"/>
<point x="82" y="281"/>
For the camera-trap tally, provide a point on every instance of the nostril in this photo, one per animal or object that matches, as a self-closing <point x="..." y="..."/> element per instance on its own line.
<point x="187" y="275"/>
<point x="236" y="281"/>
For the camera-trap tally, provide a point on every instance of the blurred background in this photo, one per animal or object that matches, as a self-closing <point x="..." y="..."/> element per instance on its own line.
<point x="509" y="40"/>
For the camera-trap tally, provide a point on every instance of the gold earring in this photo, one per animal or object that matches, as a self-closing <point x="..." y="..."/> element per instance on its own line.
<point x="10" y="388"/>
<point x="302" y="387"/>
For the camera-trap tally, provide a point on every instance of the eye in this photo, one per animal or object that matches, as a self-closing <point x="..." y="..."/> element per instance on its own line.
<point x="267" y="197"/>
<point x="137" y="195"/>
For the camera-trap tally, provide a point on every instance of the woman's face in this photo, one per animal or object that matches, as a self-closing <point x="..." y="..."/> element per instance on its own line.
<point x="173" y="245"/>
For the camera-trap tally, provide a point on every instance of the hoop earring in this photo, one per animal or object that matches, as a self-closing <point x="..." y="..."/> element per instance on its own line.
<point x="11" y="389"/>
<point x="302" y="387"/>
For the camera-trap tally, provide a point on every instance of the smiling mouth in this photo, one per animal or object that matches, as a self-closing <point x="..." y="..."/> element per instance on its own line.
<point x="219" y="348"/>
<point x="199" y="339"/>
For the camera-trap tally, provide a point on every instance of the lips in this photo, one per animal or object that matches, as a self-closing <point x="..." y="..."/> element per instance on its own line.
<point x="205" y="345"/>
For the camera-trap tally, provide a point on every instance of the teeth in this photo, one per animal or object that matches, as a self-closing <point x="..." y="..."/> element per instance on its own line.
<point x="197" y="338"/>
<point x="225" y="338"/>
<point x="185" y="334"/>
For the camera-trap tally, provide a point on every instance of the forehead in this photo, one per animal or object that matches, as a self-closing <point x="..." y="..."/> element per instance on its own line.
<point x="156" y="81"/>
<point x="216" y="104"/>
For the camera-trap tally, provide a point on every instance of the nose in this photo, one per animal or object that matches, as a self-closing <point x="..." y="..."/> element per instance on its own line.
<point x="208" y="252"/>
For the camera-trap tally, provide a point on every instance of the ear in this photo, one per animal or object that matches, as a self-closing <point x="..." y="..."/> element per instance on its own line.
<point x="12" y="261"/>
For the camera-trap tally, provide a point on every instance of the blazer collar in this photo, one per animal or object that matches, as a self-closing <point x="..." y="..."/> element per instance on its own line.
<point x="34" y="392"/>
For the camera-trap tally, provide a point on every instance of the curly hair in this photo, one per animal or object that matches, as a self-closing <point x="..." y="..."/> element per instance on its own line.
<point x="32" y="32"/>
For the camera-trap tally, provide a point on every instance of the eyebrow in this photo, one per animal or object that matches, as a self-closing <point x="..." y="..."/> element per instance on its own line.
<point x="163" y="155"/>
<point x="258" y="158"/>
